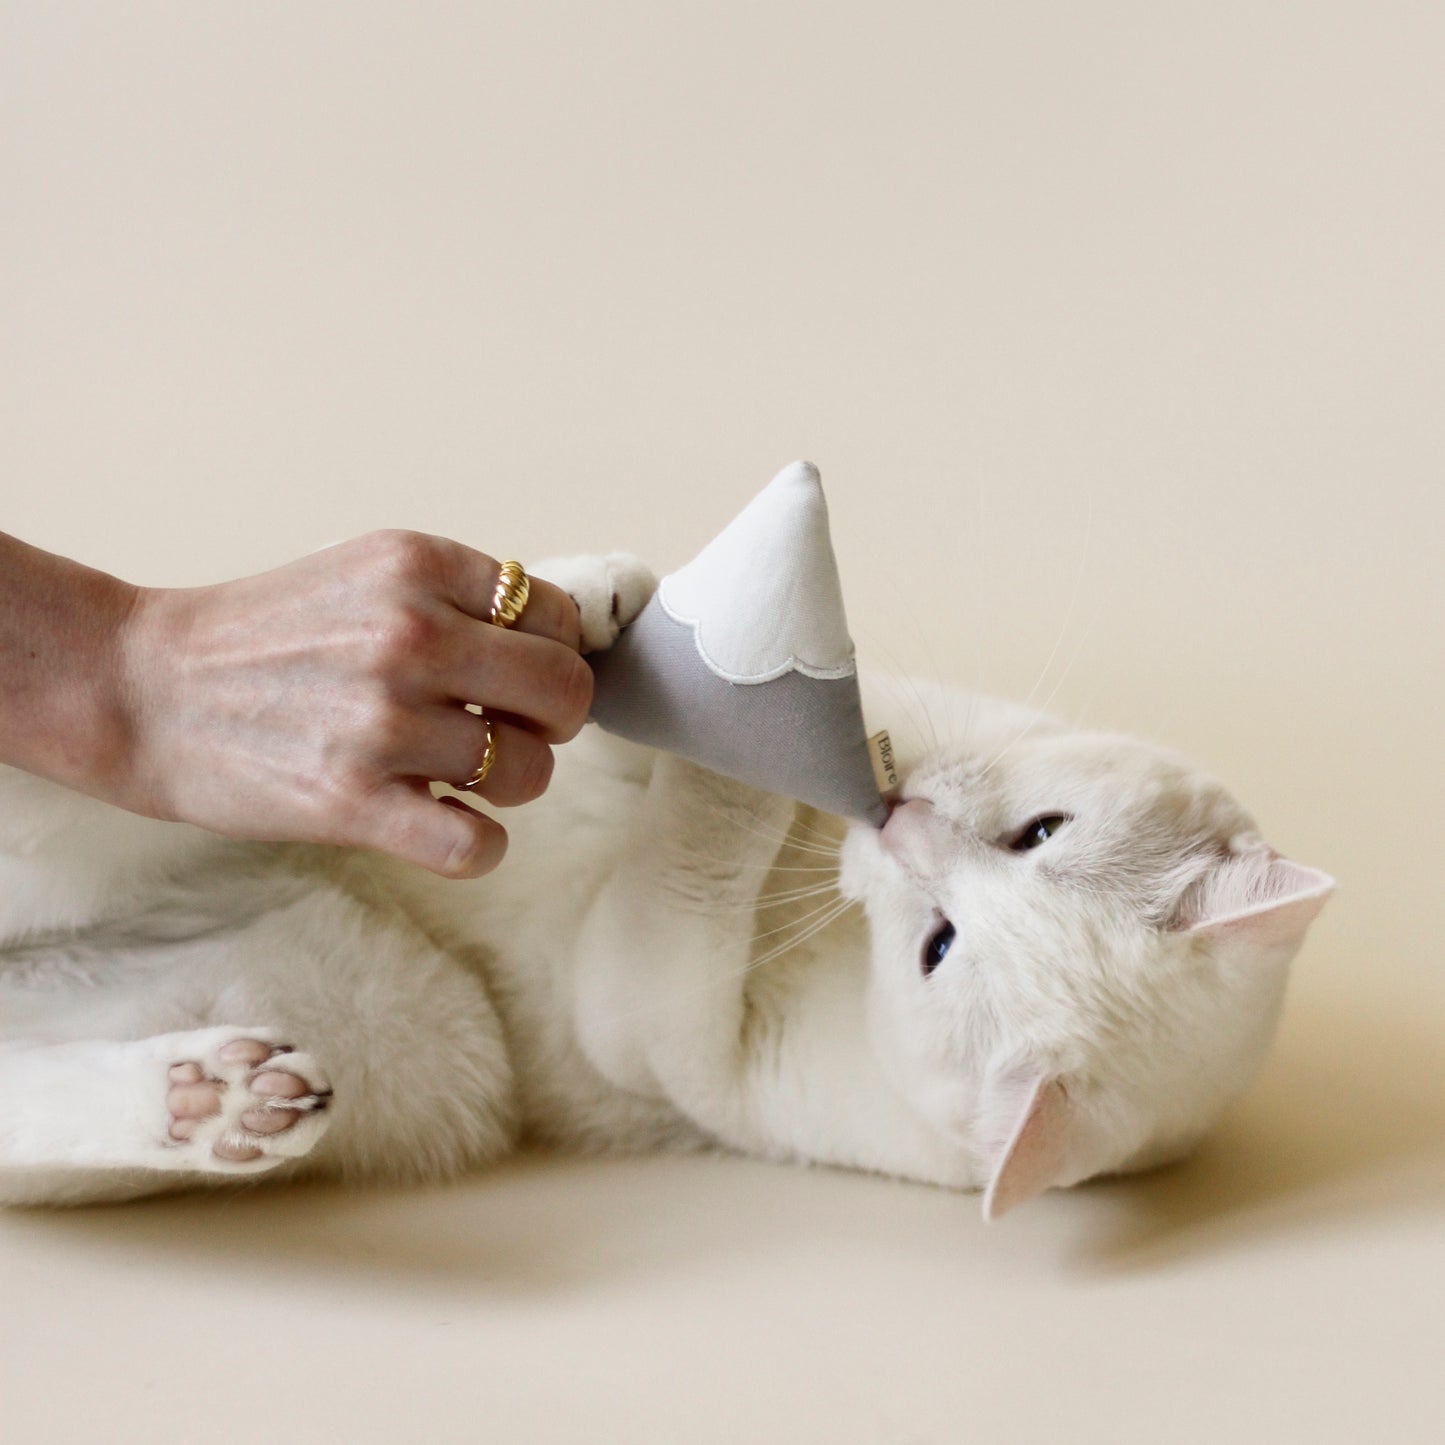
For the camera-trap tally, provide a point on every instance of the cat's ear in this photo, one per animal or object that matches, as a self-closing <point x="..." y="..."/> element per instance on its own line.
<point x="1258" y="896"/>
<point x="1029" y="1115"/>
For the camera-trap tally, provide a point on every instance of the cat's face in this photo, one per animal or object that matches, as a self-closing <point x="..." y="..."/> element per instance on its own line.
<point x="1079" y="951"/>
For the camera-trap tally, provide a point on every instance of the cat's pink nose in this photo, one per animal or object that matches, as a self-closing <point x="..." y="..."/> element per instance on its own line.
<point x="905" y="821"/>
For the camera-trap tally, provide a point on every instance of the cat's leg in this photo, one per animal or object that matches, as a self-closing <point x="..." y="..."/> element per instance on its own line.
<point x="212" y="1101"/>
<point x="663" y="964"/>
<point x="685" y="995"/>
<point x="151" y="1071"/>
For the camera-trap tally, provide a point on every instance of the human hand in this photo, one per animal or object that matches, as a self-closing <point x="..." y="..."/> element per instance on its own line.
<point x="317" y="702"/>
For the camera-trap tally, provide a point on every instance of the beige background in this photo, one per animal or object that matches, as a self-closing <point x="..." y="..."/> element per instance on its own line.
<point x="1117" y="332"/>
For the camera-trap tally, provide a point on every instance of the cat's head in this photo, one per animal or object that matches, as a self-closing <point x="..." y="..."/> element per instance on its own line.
<point x="1079" y="951"/>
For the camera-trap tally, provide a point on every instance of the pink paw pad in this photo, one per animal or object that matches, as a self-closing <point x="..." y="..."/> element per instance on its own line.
<point x="244" y="1099"/>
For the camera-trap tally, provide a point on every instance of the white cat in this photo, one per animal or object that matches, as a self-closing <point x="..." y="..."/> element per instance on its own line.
<point x="1070" y="953"/>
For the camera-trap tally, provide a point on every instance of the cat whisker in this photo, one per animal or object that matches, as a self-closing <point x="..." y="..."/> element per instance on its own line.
<point x="1024" y="732"/>
<point x="772" y="836"/>
<point x="829" y="915"/>
<point x="829" y="868"/>
<point x="771" y="900"/>
<point x="918" y="713"/>
<point x="798" y="835"/>
<point x="1073" y="658"/>
<point x="906" y="677"/>
<point x="809" y="830"/>
<point x="815" y="924"/>
<point x="797" y="922"/>
<point x="1074" y="593"/>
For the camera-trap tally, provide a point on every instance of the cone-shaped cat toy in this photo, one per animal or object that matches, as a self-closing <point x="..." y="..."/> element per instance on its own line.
<point x="742" y="660"/>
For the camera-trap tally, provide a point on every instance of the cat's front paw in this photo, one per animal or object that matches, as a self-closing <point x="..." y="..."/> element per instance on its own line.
<point x="609" y="592"/>
<point x="243" y="1101"/>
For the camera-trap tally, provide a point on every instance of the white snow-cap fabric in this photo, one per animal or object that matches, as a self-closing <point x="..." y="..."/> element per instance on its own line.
<point x="763" y="597"/>
<point x="742" y="660"/>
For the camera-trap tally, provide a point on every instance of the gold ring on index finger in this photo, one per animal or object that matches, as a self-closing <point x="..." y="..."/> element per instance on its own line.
<point x="489" y="756"/>
<point x="513" y="588"/>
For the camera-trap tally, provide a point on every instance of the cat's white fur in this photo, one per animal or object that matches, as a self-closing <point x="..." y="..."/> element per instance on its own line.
<point x="630" y="977"/>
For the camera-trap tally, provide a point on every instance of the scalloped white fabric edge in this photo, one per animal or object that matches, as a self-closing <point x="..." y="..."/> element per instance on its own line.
<point x="788" y="615"/>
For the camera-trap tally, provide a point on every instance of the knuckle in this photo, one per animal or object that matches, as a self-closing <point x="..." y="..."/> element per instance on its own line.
<point x="390" y="729"/>
<point x="399" y="554"/>
<point x="343" y="803"/>
<point x="404" y="634"/>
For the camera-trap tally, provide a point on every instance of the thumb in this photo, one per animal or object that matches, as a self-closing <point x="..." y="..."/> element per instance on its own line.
<point x="441" y="834"/>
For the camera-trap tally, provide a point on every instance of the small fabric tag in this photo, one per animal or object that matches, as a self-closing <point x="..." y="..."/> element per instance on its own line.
<point x="880" y="754"/>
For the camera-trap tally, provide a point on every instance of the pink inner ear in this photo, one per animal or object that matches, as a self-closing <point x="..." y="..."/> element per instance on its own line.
<point x="1260" y="895"/>
<point x="1033" y="1158"/>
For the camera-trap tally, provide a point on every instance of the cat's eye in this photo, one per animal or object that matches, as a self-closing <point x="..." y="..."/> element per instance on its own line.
<point x="936" y="949"/>
<point x="1038" y="831"/>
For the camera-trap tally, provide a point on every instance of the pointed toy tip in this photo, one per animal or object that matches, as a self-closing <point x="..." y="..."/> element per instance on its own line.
<point x="800" y="471"/>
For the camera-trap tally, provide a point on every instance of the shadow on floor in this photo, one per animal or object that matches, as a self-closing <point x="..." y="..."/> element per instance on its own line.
<point x="1346" y="1127"/>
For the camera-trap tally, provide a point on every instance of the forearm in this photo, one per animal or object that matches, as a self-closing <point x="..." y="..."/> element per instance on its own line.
<point x="63" y="709"/>
<point x="314" y="703"/>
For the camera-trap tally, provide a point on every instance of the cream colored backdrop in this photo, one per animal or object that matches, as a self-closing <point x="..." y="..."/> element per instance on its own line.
<point x="1116" y="330"/>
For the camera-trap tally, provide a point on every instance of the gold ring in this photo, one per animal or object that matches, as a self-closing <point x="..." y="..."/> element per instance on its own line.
<point x="488" y="758"/>
<point x="513" y="588"/>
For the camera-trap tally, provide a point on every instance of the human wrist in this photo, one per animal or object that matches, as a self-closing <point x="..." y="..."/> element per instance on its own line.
<point x="89" y="734"/>
<point x="149" y="651"/>
<point x="63" y="713"/>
